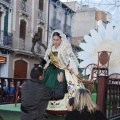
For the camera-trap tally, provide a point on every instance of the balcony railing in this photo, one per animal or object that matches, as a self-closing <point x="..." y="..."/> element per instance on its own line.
<point x="19" y="44"/>
<point x="25" y="8"/>
<point x="41" y="16"/>
<point x="56" y="23"/>
<point x="113" y="95"/>
<point x="67" y="29"/>
<point x="6" y="2"/>
<point x="6" y="39"/>
<point x="108" y="95"/>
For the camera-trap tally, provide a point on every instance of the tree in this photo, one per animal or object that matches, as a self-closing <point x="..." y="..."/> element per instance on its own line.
<point x="37" y="39"/>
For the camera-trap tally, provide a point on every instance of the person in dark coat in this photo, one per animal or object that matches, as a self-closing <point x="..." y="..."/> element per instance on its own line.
<point x="35" y="95"/>
<point x="84" y="108"/>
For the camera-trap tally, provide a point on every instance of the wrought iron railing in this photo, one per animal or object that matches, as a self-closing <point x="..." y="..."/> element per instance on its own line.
<point x="8" y="88"/>
<point x="67" y="29"/>
<point x="56" y="23"/>
<point x="25" y="8"/>
<point x="108" y="95"/>
<point x="19" y="44"/>
<point x="8" y="1"/>
<point x="6" y="38"/>
<point x="41" y="16"/>
<point x="113" y="95"/>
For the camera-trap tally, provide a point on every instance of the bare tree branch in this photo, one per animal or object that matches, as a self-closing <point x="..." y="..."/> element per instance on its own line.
<point x="37" y="38"/>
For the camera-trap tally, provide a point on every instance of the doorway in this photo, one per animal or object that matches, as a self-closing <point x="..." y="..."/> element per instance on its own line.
<point x="20" y="69"/>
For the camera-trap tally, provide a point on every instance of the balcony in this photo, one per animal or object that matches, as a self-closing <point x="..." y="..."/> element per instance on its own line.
<point x="19" y="44"/>
<point x="6" y="39"/>
<point x="41" y="16"/>
<point x="7" y="3"/>
<point x="56" y="24"/>
<point x="67" y="29"/>
<point x="24" y="8"/>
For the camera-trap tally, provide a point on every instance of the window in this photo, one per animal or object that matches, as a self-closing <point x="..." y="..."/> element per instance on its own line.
<point x="55" y="12"/>
<point x="40" y="31"/>
<point x="0" y="20"/>
<point x="6" y="22"/>
<point x="24" y="5"/>
<point x="0" y="71"/>
<point x="41" y="4"/>
<point x="66" y="17"/>
<point x="22" y="29"/>
<point x="0" y="23"/>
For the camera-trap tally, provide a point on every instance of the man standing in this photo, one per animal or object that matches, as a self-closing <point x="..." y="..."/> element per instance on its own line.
<point x="35" y="95"/>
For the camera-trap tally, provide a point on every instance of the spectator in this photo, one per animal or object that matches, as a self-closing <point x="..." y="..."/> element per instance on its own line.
<point x="4" y="92"/>
<point x="18" y="89"/>
<point x="18" y="84"/>
<point x="5" y="87"/>
<point x="84" y="108"/>
<point x="70" y="104"/>
<point x="11" y="91"/>
<point x="12" y="88"/>
<point x="35" y="95"/>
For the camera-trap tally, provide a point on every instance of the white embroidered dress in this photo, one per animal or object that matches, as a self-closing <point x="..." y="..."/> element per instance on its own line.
<point x="66" y="58"/>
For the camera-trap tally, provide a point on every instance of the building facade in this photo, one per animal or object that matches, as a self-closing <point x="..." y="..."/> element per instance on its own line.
<point x="86" y="19"/>
<point x="59" y="17"/>
<point x="19" y="21"/>
<point x="5" y="35"/>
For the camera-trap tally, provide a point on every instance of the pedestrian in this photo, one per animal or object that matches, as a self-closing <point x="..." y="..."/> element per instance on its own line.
<point x="35" y="95"/>
<point x="84" y="108"/>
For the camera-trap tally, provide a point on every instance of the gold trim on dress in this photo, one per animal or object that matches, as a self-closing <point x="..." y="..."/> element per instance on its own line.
<point x="54" y="60"/>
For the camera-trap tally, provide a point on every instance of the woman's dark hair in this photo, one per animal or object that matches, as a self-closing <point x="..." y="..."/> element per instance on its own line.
<point x="71" y="101"/>
<point x="36" y="72"/>
<point x="56" y="34"/>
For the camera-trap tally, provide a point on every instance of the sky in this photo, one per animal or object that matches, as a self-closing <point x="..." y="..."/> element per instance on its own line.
<point x="111" y="6"/>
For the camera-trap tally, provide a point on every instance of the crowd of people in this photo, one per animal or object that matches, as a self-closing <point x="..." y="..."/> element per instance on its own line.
<point x="7" y="92"/>
<point x="56" y="78"/>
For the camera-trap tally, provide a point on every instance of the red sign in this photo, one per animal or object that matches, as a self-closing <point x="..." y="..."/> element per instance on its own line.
<point x="3" y="59"/>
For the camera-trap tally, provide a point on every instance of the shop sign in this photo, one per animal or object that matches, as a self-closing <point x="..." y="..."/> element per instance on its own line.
<point x="3" y="59"/>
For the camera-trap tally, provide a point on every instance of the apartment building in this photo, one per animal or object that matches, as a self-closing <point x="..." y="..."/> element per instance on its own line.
<point x="5" y="35"/>
<point x="19" y="20"/>
<point x="84" y="20"/>
<point x="59" y="17"/>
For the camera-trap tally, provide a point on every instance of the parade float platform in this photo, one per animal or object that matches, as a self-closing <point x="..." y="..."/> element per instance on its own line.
<point x="10" y="112"/>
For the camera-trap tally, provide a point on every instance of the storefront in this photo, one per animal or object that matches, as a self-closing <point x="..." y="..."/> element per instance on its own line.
<point x="3" y="60"/>
<point x="4" y="65"/>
